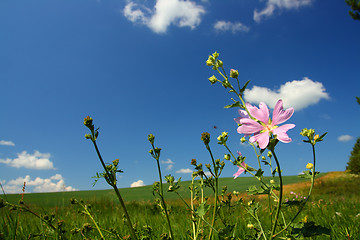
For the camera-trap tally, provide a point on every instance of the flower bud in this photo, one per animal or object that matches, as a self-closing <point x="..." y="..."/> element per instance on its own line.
<point x="151" y="138"/>
<point x="272" y="181"/>
<point x="269" y="154"/>
<point x="263" y="157"/>
<point x="316" y="137"/>
<point x="88" y="121"/>
<point x="213" y="79"/>
<point x="219" y="63"/>
<point x="209" y="62"/>
<point x="243" y="139"/>
<point x="309" y="166"/>
<point x="215" y="55"/>
<point x="87" y="136"/>
<point x="227" y="157"/>
<point x="205" y="137"/>
<point x="193" y="162"/>
<point x="234" y="73"/>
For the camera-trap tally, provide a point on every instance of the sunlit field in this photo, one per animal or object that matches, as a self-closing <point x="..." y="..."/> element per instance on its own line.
<point x="334" y="207"/>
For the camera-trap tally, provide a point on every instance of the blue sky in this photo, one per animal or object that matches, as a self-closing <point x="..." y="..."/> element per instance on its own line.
<point x="138" y="67"/>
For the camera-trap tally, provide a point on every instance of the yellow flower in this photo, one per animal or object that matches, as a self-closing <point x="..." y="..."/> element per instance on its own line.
<point x="309" y="166"/>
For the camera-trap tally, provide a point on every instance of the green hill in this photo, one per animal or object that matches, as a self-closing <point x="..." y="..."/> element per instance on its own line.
<point x="135" y="194"/>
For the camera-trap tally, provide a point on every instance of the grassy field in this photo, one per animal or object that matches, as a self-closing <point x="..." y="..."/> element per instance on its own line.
<point x="134" y="194"/>
<point x="334" y="207"/>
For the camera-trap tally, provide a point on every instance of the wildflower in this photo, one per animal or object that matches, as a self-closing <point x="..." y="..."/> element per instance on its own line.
<point x="250" y="226"/>
<point x="264" y="127"/>
<point x="240" y="170"/>
<point x="309" y="166"/>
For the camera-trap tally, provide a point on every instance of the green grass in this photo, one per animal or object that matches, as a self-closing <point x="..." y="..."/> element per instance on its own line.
<point x="335" y="205"/>
<point x="135" y="194"/>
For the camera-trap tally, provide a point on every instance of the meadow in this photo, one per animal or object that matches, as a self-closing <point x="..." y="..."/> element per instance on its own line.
<point x="334" y="206"/>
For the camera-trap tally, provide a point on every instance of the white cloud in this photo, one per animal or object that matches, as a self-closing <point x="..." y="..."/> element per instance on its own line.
<point x="38" y="160"/>
<point x="182" y="13"/>
<point x="272" y="5"/>
<point x="7" y="143"/>
<point x="167" y="161"/>
<point x="184" y="170"/>
<point x="223" y="26"/>
<point x="345" y="138"/>
<point x="138" y="183"/>
<point x="298" y="94"/>
<point x="55" y="183"/>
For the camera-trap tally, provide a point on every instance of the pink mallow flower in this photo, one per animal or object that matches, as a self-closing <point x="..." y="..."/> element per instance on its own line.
<point x="240" y="170"/>
<point x="264" y="127"/>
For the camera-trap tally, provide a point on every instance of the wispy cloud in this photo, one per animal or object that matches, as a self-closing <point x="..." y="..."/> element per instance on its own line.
<point x="180" y="13"/>
<point x="7" y="143"/>
<point x="138" y="183"/>
<point x="169" y="163"/>
<point x="345" y="138"/>
<point x="55" y="183"/>
<point x="234" y="27"/>
<point x="272" y="5"/>
<point x="38" y="161"/>
<point x="298" y="94"/>
<point x="184" y="170"/>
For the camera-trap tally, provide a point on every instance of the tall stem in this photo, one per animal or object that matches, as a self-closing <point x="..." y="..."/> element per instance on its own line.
<point x="162" y="199"/>
<point x="280" y="195"/>
<point x="307" y="199"/>
<point x="112" y="182"/>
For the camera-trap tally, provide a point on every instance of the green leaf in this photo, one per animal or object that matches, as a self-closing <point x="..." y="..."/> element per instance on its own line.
<point x="259" y="173"/>
<point x="244" y="87"/>
<point x="309" y="229"/>
<point x="235" y="104"/>
<point x="202" y="209"/>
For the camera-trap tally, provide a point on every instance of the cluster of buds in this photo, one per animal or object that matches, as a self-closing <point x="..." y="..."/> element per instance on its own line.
<point x="312" y="137"/>
<point x="212" y="61"/>
<point x="88" y="122"/>
<point x="205" y="137"/>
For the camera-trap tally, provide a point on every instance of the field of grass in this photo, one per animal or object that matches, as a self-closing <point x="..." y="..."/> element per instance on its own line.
<point x="334" y="207"/>
<point x="135" y="194"/>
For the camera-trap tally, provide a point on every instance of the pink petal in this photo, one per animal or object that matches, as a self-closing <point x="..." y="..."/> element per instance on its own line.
<point x="261" y="114"/>
<point x="262" y="139"/>
<point x="280" y="115"/>
<point x="249" y="126"/>
<point x="243" y="114"/>
<point x="281" y="134"/>
<point x="240" y="170"/>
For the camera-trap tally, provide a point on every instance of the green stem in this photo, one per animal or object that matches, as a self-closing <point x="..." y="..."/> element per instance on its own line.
<point x="93" y="220"/>
<point x="215" y="190"/>
<point x="112" y="182"/>
<point x="163" y="201"/>
<point x="33" y="213"/>
<point x="280" y="195"/>
<point x="194" y="212"/>
<point x="310" y="191"/>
